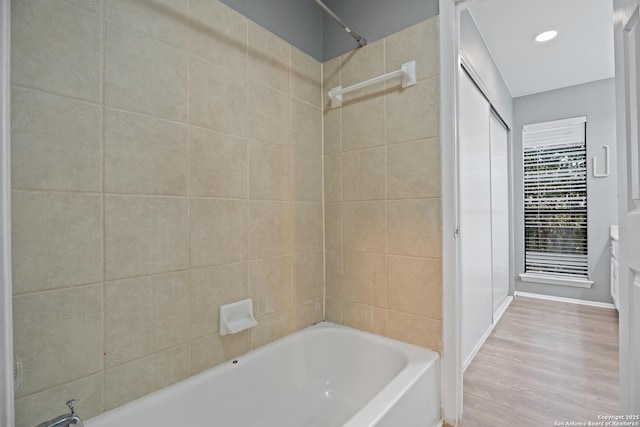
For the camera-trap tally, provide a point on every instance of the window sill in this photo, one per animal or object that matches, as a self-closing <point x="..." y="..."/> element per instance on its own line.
<point x="550" y="280"/>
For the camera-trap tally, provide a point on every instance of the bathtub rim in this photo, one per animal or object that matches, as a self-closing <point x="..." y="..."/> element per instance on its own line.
<point x="418" y="361"/>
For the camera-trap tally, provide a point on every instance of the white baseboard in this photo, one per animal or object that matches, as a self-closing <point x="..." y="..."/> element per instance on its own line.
<point x="568" y="300"/>
<point x="502" y="308"/>
<point x="477" y="348"/>
<point x="497" y="316"/>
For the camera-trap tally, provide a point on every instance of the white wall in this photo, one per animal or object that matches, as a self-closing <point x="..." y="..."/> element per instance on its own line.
<point x="596" y="100"/>
<point x="487" y="74"/>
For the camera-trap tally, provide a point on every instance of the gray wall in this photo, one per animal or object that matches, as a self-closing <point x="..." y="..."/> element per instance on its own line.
<point x="373" y="19"/>
<point x="303" y="24"/>
<point x="298" y="22"/>
<point x="596" y="100"/>
<point x="485" y="69"/>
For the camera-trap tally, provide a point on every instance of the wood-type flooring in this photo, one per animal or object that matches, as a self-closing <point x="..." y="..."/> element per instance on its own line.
<point x="545" y="364"/>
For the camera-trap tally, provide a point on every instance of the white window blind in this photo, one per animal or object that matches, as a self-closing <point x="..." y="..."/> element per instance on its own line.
<point x="555" y="198"/>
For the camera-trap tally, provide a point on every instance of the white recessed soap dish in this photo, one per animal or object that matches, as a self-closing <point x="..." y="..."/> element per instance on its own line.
<point x="236" y="317"/>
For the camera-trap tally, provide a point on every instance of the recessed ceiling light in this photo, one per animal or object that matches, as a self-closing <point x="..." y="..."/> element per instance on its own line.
<point x="546" y="36"/>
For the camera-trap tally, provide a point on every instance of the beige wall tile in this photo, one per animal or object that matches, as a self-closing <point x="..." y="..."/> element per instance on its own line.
<point x="333" y="178"/>
<point x="212" y="287"/>
<point x="333" y="310"/>
<point x="143" y="376"/>
<point x="136" y="66"/>
<point x="270" y="285"/>
<point x="363" y="123"/>
<point x="363" y="64"/>
<point x="57" y="240"/>
<point x="415" y="227"/>
<point x="415" y="330"/>
<point x="145" y="315"/>
<point x="332" y="129"/>
<point x="218" y="164"/>
<point x="364" y="226"/>
<point x="306" y="78"/>
<point x="173" y="100"/>
<point x="144" y="155"/>
<point x="408" y="168"/>
<point x="270" y="231"/>
<point x="413" y="169"/>
<point x="269" y="116"/>
<point x="415" y="286"/>
<point x="90" y="5"/>
<point x="272" y="327"/>
<point x="218" y="34"/>
<point x="414" y="113"/>
<point x="357" y="316"/>
<point x="331" y="78"/>
<point x="56" y="47"/>
<point x="333" y="274"/>
<point x="164" y="20"/>
<point x="236" y="345"/>
<point x="308" y="280"/>
<point x="269" y="59"/>
<point x="418" y="43"/>
<point x="145" y="235"/>
<point x="308" y="314"/>
<point x="365" y="278"/>
<point x="206" y="353"/>
<point x="217" y="98"/>
<point x="55" y="142"/>
<point x="269" y="171"/>
<point x="45" y="324"/>
<point x="87" y="392"/>
<point x="307" y="183"/>
<point x="363" y="174"/>
<point x="333" y="226"/>
<point x="379" y="322"/>
<point x="306" y="122"/>
<point x="218" y="231"/>
<point x="308" y="227"/>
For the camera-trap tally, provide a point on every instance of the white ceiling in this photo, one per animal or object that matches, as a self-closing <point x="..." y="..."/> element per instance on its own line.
<point x="582" y="52"/>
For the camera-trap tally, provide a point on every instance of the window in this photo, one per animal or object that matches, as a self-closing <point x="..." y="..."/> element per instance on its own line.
<point x="555" y="201"/>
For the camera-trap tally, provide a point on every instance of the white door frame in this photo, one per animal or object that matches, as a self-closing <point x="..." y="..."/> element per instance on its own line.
<point x="626" y="14"/>
<point x="6" y="316"/>
<point x="451" y="384"/>
<point x="452" y="364"/>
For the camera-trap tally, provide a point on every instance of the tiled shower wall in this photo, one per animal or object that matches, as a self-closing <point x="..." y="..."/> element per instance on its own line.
<point x="167" y="159"/>
<point x="382" y="191"/>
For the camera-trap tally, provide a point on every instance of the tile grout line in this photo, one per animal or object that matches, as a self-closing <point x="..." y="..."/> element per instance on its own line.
<point x="292" y="193"/>
<point x="159" y="118"/>
<point x="103" y="203"/>
<point x="340" y="124"/>
<point x="189" y="255"/>
<point x="248" y="144"/>
<point x="324" y="216"/>
<point x="386" y="188"/>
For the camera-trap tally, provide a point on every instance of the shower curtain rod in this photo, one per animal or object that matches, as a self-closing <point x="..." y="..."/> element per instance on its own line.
<point x="361" y="40"/>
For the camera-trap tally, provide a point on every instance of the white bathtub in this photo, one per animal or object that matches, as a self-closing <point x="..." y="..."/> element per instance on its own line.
<point x="323" y="376"/>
